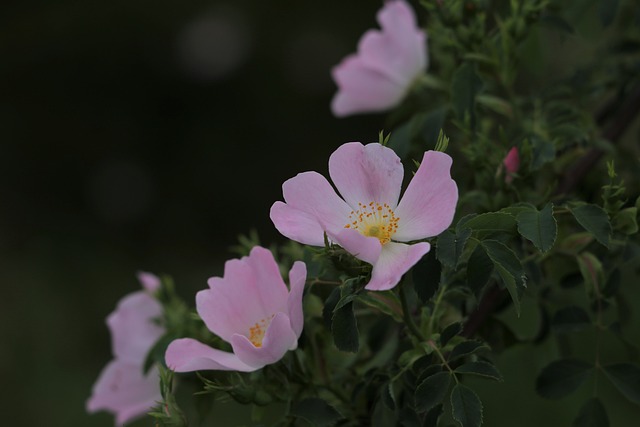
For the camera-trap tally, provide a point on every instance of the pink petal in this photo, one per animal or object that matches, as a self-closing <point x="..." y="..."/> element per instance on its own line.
<point x="362" y="89"/>
<point x="134" y="328"/>
<point x="362" y="247"/>
<point x="150" y="282"/>
<point x="398" y="22"/>
<point x="297" y="225"/>
<point x="122" y="389"/>
<point x="297" y="278"/>
<point x="187" y="355"/>
<point x="310" y="193"/>
<point x="428" y="205"/>
<point x="399" y="50"/>
<point x="395" y="260"/>
<point x="511" y="164"/>
<point x="278" y="339"/>
<point x="251" y="290"/>
<point x="366" y="173"/>
<point x="386" y="65"/>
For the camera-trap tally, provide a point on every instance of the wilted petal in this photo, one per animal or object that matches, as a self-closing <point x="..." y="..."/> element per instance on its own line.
<point x="134" y="326"/>
<point x="366" y="173"/>
<point x="123" y="390"/>
<point x="428" y="205"/>
<point x="187" y="354"/>
<point x="297" y="279"/>
<point x="278" y="339"/>
<point x="395" y="260"/>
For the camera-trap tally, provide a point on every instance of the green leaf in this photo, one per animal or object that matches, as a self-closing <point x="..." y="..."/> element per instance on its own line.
<point x="626" y="221"/>
<point x="316" y="412"/>
<point x="432" y="391"/>
<point x="595" y="220"/>
<point x="489" y="223"/>
<point x="539" y="227"/>
<point x="626" y="378"/>
<point x="479" y="269"/>
<point x="542" y="152"/>
<point x="466" y="406"/>
<point x="607" y="11"/>
<point x="466" y="348"/>
<point x="465" y="85"/>
<point x="345" y="329"/>
<point x="388" y="397"/>
<point x="384" y="301"/>
<point x="329" y="305"/>
<point x="508" y="267"/>
<point x="426" y="276"/>
<point x="498" y="105"/>
<point x="449" y="332"/>
<point x="400" y="139"/>
<point x="450" y="246"/>
<point x="570" y="319"/>
<point x="575" y="243"/>
<point x="592" y="414"/>
<point x="431" y="420"/>
<point x="432" y="125"/>
<point x="591" y="270"/>
<point x="480" y="368"/>
<point x="562" y="377"/>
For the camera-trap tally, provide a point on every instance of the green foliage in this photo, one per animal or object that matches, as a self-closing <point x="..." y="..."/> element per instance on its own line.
<point x="592" y="414"/>
<point x="626" y="378"/>
<point x="539" y="227"/>
<point x="432" y="391"/>
<point x="451" y="245"/>
<point x="479" y="368"/>
<point x="562" y="377"/>
<point x="316" y="412"/>
<point x="595" y="220"/>
<point x="570" y="319"/>
<point x="467" y="408"/>
<point x="509" y="268"/>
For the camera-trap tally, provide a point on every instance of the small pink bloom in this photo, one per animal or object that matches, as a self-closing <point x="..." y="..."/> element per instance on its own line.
<point x="150" y="282"/>
<point x="378" y="77"/>
<point x="122" y="387"/>
<point x="511" y="164"/>
<point x="252" y="309"/>
<point x="370" y="223"/>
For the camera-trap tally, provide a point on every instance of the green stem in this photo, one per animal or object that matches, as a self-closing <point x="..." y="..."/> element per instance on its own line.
<point x="444" y="361"/>
<point x="408" y="320"/>
<point x="432" y="319"/>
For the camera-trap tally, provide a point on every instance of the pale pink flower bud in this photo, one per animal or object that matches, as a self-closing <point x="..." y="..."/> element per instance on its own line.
<point x="369" y="221"/>
<point x="387" y="63"/>
<point x="250" y="308"/>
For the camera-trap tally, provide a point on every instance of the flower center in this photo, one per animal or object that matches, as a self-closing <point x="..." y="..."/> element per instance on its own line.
<point x="374" y="220"/>
<point x="256" y="332"/>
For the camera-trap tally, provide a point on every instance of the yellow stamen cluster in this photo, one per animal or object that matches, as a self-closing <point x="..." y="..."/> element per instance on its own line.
<point x="256" y="332"/>
<point x="374" y="220"/>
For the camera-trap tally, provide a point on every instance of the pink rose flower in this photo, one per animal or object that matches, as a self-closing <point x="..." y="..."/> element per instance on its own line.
<point x="122" y="387"/>
<point x="379" y="76"/>
<point x="370" y="223"/>
<point x="511" y="164"/>
<point x="252" y="309"/>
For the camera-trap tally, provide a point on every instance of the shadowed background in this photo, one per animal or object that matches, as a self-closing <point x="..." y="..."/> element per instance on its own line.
<point x="145" y="135"/>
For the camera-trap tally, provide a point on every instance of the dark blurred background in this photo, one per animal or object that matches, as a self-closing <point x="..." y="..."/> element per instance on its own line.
<point x="144" y="135"/>
<point x="148" y="135"/>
